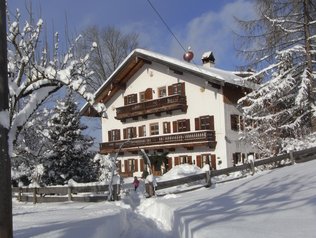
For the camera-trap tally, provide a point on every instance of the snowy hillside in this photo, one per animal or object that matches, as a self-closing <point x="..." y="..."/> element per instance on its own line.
<point x="275" y="203"/>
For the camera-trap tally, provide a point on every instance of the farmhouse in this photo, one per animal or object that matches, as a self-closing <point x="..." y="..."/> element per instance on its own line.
<point x="171" y="107"/>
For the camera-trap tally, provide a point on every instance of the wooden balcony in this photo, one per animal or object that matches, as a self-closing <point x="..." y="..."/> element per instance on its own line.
<point x="156" y="106"/>
<point x="190" y="139"/>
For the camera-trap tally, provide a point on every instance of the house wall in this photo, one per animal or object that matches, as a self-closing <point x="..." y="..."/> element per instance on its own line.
<point x="202" y="99"/>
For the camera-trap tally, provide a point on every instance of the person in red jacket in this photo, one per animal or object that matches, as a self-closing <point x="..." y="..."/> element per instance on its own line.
<point x="136" y="183"/>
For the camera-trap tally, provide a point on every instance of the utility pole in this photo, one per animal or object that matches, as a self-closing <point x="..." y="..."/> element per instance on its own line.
<point x="6" y="227"/>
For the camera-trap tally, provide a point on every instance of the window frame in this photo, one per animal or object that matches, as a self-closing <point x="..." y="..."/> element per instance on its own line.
<point x="154" y="131"/>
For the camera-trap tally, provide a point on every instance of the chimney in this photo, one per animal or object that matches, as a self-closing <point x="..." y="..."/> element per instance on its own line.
<point x="208" y="59"/>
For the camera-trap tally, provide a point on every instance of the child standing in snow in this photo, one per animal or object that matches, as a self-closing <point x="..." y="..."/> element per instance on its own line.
<point x="136" y="183"/>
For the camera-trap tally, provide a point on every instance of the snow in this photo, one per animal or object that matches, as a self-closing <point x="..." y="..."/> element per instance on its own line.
<point x="4" y="119"/>
<point x="273" y="203"/>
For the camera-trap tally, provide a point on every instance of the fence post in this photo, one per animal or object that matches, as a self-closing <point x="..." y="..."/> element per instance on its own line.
<point x="150" y="189"/>
<point x="292" y="157"/>
<point x="34" y="195"/>
<point x="114" y="192"/>
<point x="20" y="194"/>
<point x="208" y="178"/>
<point x="69" y="193"/>
<point x="252" y="167"/>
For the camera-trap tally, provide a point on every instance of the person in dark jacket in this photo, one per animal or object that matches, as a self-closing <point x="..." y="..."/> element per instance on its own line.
<point x="135" y="183"/>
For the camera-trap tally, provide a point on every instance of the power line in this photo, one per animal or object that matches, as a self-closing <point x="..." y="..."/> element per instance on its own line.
<point x="165" y="23"/>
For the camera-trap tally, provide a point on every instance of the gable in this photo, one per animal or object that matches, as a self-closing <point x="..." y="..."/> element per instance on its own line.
<point x="138" y="58"/>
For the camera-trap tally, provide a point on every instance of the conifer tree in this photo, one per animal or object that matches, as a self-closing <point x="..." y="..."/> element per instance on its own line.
<point x="69" y="156"/>
<point x="282" y="42"/>
<point x="277" y="110"/>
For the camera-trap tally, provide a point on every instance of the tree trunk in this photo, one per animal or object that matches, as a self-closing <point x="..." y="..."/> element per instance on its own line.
<point x="6" y="230"/>
<point x="309" y="65"/>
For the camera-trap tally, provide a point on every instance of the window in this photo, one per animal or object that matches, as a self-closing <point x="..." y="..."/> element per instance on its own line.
<point x="204" y="123"/>
<point x="206" y="160"/>
<point x="185" y="159"/>
<point x="166" y="127"/>
<point x="237" y="122"/>
<point x="238" y="158"/>
<point x="130" y="99"/>
<point x="142" y="96"/>
<point x="176" y="89"/>
<point x="162" y="92"/>
<point x="154" y="129"/>
<point x="142" y="131"/>
<point x="181" y="125"/>
<point x="146" y="95"/>
<point x="131" y="165"/>
<point x="129" y="132"/>
<point x="114" y="135"/>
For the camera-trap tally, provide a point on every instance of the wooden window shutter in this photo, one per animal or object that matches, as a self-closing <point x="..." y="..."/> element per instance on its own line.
<point x="235" y="158"/>
<point x="187" y="124"/>
<point x="135" y="98"/>
<point x="135" y="165"/>
<point x="134" y="133"/>
<point x="170" y="90"/>
<point x="182" y="89"/>
<point x="176" y="160"/>
<point x="175" y="126"/>
<point x="149" y="94"/>
<point x="169" y="163"/>
<point x="118" y="134"/>
<point x="213" y="161"/>
<point x="126" y="166"/>
<point x="197" y="123"/>
<point x="211" y="121"/>
<point x="199" y="161"/>
<point x="140" y="131"/>
<point x="234" y="122"/>
<point x="110" y="135"/>
<point x="125" y="100"/>
<point x="125" y="133"/>
<point x="190" y="159"/>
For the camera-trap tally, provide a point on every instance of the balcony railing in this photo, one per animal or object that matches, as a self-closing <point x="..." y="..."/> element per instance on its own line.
<point x="165" y="104"/>
<point x="166" y="141"/>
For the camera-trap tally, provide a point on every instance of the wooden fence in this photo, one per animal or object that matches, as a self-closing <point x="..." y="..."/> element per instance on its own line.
<point x="98" y="192"/>
<point x="62" y="193"/>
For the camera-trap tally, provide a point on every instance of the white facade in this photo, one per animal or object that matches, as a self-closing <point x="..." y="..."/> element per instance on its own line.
<point x="205" y="92"/>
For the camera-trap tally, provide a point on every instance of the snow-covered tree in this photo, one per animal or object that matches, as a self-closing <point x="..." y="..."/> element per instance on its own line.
<point x="30" y="146"/>
<point x="69" y="156"/>
<point x="280" y="25"/>
<point x="279" y="108"/>
<point x="35" y="72"/>
<point x="282" y="42"/>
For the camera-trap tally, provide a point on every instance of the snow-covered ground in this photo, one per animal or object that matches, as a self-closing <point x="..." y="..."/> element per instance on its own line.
<point x="275" y="203"/>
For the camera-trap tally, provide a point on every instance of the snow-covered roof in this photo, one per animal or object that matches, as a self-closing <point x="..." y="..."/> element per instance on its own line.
<point x="211" y="74"/>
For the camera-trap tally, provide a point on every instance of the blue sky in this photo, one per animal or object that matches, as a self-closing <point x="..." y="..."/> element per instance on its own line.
<point x="203" y="25"/>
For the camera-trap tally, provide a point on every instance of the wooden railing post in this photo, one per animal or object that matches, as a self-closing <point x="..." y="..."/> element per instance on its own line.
<point x="69" y="193"/>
